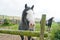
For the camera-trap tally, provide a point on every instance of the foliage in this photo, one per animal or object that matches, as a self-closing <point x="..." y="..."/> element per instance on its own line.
<point x="58" y="23"/>
<point x="55" y="31"/>
<point x="37" y="27"/>
<point x="7" y="23"/>
<point x="57" y="35"/>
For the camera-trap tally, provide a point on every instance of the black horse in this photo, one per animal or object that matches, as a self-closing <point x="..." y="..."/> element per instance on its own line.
<point x="49" y="23"/>
<point x="28" y="20"/>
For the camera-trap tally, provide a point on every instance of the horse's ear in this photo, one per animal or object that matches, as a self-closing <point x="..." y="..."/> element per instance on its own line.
<point x="25" y="5"/>
<point x="32" y="7"/>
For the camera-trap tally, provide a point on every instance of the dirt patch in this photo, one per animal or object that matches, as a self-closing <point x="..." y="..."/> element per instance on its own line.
<point x="9" y="37"/>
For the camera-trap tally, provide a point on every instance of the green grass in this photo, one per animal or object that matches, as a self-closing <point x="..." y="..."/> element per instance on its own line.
<point x="54" y="28"/>
<point x="15" y="27"/>
<point x="37" y="27"/>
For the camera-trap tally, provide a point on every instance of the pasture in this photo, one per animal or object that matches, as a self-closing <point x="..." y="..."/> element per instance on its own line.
<point x="55" y="27"/>
<point x="13" y="27"/>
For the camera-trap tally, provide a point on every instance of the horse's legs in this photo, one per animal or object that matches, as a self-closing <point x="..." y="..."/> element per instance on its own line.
<point x="29" y="37"/>
<point x="22" y="37"/>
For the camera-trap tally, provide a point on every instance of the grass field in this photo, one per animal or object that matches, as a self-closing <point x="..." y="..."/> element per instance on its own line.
<point x="55" y="27"/>
<point x="37" y="27"/>
<point x="15" y="27"/>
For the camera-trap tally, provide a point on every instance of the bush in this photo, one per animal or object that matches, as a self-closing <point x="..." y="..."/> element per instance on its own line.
<point x="6" y="22"/>
<point x="55" y="32"/>
<point x="57" y="35"/>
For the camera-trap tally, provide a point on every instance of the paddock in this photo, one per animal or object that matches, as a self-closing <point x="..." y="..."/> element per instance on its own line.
<point x="7" y="34"/>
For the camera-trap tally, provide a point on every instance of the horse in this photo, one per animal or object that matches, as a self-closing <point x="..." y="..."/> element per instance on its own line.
<point x="49" y="23"/>
<point x="28" y="20"/>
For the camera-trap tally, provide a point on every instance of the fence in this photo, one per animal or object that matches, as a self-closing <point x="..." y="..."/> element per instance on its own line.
<point x="40" y="33"/>
<point x="12" y="19"/>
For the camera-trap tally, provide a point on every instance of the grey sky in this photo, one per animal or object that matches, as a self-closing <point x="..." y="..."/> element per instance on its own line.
<point x="15" y="7"/>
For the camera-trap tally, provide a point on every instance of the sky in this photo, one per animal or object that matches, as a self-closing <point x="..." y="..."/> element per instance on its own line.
<point x="15" y="7"/>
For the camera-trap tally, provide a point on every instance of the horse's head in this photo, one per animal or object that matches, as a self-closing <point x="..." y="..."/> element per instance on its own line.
<point x="28" y="14"/>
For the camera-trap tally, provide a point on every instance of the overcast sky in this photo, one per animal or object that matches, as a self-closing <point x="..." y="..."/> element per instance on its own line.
<point x="15" y="7"/>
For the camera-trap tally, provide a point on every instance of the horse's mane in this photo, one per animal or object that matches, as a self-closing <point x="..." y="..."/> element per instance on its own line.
<point x="24" y="17"/>
<point x="24" y="14"/>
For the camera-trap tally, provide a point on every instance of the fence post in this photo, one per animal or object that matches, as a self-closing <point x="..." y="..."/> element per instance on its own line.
<point x="43" y="20"/>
